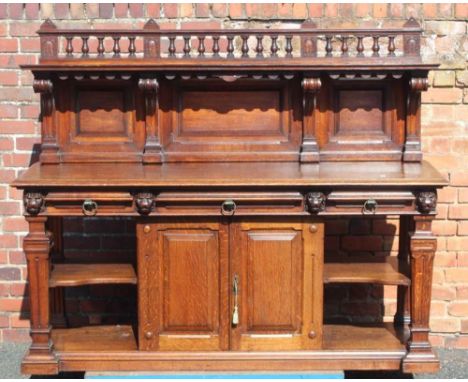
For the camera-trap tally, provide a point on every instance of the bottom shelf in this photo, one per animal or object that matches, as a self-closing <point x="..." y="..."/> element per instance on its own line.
<point x="377" y="337"/>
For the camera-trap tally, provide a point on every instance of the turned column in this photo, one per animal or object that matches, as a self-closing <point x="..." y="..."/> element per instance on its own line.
<point x="423" y="245"/>
<point x="37" y="245"/>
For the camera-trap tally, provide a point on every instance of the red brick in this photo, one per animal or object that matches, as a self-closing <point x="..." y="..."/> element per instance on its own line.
<point x="15" y="11"/>
<point x="462" y="292"/>
<point x="430" y="10"/>
<point x="10" y="273"/>
<point x="8" y="45"/>
<point x="413" y="10"/>
<point x="8" y="78"/>
<point x="106" y="10"/>
<point x="6" y="176"/>
<point x="8" y="240"/>
<point x="6" y="144"/>
<point x="92" y="10"/>
<point x="17" y="321"/>
<point x="437" y="340"/>
<point x="445" y="325"/>
<point x="299" y="11"/>
<point x="461" y="11"/>
<point x="186" y="10"/>
<point x="200" y="25"/>
<point x="458" y="309"/>
<point x="464" y="326"/>
<point x="136" y="10"/>
<point x="285" y="10"/>
<point x="3" y="11"/>
<point x="219" y="10"/>
<point x="31" y="11"/>
<point x="438" y="309"/>
<point x="16" y="335"/>
<point x="445" y="9"/>
<point x="459" y="178"/>
<point x="445" y="259"/>
<point x="315" y="10"/>
<point x="30" y="45"/>
<point x="8" y="111"/>
<point x="463" y="229"/>
<point x="458" y="211"/>
<point x="444" y="228"/>
<point x="17" y="127"/>
<point x="362" y="243"/>
<point x="11" y="304"/>
<point x="269" y="11"/>
<point x="16" y="160"/>
<point x="29" y="111"/>
<point x="4" y="321"/>
<point x="15" y="224"/>
<point x="253" y="10"/>
<point x="153" y="10"/>
<point x="121" y="10"/>
<point x="396" y="10"/>
<point x="457" y="342"/>
<point x="456" y="275"/>
<point x="61" y="10"/>
<point x="447" y="195"/>
<point x="17" y="257"/>
<point x="443" y="95"/>
<point x="443" y="292"/>
<point x="170" y="10"/>
<point x="26" y="143"/>
<point x="463" y="259"/>
<point x="380" y="10"/>
<point x="19" y="289"/>
<point x="362" y="10"/>
<point x="236" y="10"/>
<point x="9" y="208"/>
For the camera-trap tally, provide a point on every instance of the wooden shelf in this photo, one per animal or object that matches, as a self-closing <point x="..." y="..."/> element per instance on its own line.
<point x="363" y="337"/>
<point x="347" y="337"/>
<point x="65" y="275"/>
<point x="366" y="270"/>
<point x="95" y="338"/>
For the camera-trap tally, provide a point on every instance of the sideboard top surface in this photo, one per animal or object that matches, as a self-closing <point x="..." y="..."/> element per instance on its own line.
<point x="237" y="174"/>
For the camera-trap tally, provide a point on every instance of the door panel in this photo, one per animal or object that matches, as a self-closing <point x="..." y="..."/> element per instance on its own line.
<point x="279" y="285"/>
<point x="183" y="304"/>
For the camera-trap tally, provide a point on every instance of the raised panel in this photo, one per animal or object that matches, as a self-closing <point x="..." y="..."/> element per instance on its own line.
<point x="278" y="266"/>
<point x="101" y="113"/>
<point x="181" y="270"/>
<point x="359" y="112"/>
<point x="274" y="281"/>
<point x="230" y="113"/>
<point x="190" y="274"/>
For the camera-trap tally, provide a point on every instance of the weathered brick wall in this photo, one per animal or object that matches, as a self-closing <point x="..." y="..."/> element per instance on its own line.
<point x="445" y="143"/>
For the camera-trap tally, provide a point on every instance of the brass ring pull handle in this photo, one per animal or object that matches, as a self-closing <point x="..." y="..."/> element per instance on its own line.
<point x="89" y="207"/>
<point x="370" y="207"/>
<point x="228" y="208"/>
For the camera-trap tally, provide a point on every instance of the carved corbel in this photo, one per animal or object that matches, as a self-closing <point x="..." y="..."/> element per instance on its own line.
<point x="413" y="151"/>
<point x="144" y="202"/>
<point x="33" y="202"/>
<point x="309" y="147"/>
<point x="153" y="151"/>
<point x="49" y="147"/>
<point x="315" y="202"/>
<point x="426" y="201"/>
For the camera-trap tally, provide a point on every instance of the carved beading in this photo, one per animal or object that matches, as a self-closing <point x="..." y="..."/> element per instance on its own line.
<point x="419" y="84"/>
<point x="311" y="85"/>
<point x="426" y="201"/>
<point x="315" y="202"/>
<point x="144" y="202"/>
<point x="33" y="202"/>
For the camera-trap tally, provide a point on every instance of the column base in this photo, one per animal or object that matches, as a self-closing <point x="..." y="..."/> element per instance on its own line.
<point x="40" y="364"/>
<point x="420" y="359"/>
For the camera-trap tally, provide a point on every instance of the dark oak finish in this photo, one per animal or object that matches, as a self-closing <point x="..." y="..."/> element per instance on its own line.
<point x="229" y="149"/>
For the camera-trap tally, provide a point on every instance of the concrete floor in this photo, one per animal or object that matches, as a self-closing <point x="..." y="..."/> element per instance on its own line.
<point x="454" y="364"/>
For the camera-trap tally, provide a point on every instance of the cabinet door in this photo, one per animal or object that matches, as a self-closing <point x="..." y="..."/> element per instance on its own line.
<point x="183" y="286"/>
<point x="278" y="272"/>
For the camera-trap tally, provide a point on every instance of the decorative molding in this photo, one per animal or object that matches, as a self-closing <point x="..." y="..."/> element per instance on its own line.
<point x="150" y="87"/>
<point x="45" y="87"/>
<point x="151" y="42"/>
<point x="144" y="202"/>
<point x="315" y="202"/>
<point x="311" y="85"/>
<point x="426" y="201"/>
<point x="418" y="84"/>
<point x="33" y="202"/>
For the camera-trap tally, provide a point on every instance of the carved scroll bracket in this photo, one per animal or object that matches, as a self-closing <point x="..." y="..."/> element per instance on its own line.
<point x="33" y="202"/>
<point x="413" y="152"/>
<point x="426" y="202"/>
<point x="144" y="202"/>
<point x="309" y="147"/>
<point x="49" y="153"/>
<point x="315" y="202"/>
<point x="153" y="151"/>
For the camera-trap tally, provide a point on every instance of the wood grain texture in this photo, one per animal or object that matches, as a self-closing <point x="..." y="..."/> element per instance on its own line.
<point x="88" y="274"/>
<point x="376" y="271"/>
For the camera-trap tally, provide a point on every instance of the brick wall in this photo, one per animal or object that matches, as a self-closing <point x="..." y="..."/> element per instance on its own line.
<point x="445" y="143"/>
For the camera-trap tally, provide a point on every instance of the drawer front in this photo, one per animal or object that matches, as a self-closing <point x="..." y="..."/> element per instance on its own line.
<point x="229" y="203"/>
<point x="370" y="202"/>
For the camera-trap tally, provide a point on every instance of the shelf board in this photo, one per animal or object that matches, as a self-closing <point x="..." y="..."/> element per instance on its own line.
<point x="65" y="275"/>
<point x="366" y="270"/>
<point x="95" y="338"/>
<point x="363" y="337"/>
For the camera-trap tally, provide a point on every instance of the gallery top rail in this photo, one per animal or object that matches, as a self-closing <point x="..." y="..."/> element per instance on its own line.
<point x="151" y="42"/>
